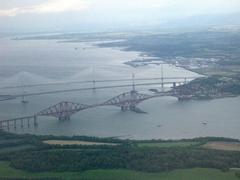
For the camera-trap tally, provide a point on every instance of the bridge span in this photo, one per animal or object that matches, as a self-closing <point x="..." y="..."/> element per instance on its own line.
<point x="126" y="101"/>
<point x="64" y="110"/>
<point x="174" y="81"/>
<point x="178" y="78"/>
<point x="15" y="122"/>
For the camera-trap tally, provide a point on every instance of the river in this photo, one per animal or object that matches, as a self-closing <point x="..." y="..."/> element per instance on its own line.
<point x="25" y="62"/>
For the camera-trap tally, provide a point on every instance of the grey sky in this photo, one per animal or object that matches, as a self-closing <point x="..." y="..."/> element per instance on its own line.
<point x="58" y="14"/>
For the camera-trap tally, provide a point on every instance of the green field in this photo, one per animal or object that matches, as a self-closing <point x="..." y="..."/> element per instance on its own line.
<point x="189" y="174"/>
<point x="133" y="160"/>
<point x="16" y="148"/>
<point x="167" y="144"/>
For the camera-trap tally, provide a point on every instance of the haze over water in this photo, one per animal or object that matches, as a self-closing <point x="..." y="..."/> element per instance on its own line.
<point x="42" y="61"/>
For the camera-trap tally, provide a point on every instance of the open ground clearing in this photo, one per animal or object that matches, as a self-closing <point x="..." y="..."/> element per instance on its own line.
<point x="227" y="146"/>
<point x="72" y="142"/>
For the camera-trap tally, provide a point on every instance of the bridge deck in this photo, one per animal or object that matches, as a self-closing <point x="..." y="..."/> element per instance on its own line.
<point x="97" y="81"/>
<point x="17" y="119"/>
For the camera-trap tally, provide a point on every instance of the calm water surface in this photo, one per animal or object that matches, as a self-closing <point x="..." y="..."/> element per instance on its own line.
<point x="41" y="61"/>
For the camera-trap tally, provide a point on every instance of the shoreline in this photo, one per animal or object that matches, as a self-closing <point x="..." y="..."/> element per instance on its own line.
<point x="183" y="135"/>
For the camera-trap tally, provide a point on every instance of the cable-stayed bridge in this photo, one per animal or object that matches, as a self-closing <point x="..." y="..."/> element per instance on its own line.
<point x="172" y="81"/>
<point x="64" y="110"/>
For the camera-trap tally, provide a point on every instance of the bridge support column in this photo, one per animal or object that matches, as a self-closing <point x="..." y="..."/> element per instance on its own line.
<point x="174" y="85"/>
<point x="35" y="121"/>
<point x="22" y="123"/>
<point x="183" y="98"/>
<point x="64" y="118"/>
<point x="8" y="125"/>
<point x="15" y="124"/>
<point x="94" y="85"/>
<point x="28" y="122"/>
<point x="1" y="125"/>
<point x="132" y="107"/>
<point x="124" y="108"/>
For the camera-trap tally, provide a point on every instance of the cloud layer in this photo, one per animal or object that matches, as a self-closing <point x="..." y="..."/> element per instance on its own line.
<point x="50" y="6"/>
<point x="13" y="7"/>
<point x="28" y="15"/>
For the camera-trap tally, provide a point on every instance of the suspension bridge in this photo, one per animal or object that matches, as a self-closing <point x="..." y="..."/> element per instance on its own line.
<point x="64" y="110"/>
<point x="174" y="81"/>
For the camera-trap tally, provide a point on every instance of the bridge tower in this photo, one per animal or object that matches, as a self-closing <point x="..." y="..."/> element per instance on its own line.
<point x="162" y="79"/>
<point x="129" y="100"/>
<point x="63" y="110"/>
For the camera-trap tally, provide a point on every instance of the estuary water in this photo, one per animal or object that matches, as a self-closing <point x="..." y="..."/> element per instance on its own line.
<point x="24" y="62"/>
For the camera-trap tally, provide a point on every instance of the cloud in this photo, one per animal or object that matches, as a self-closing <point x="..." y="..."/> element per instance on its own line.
<point x="112" y="7"/>
<point x="50" y="6"/>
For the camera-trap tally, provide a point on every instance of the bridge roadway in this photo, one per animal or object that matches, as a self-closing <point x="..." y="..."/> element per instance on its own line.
<point x="89" y="88"/>
<point x="64" y="110"/>
<point x="98" y="81"/>
<point x="162" y="83"/>
<point x="6" y="97"/>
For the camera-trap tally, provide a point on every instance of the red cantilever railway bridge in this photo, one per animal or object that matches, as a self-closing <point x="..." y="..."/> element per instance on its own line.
<point x="64" y="110"/>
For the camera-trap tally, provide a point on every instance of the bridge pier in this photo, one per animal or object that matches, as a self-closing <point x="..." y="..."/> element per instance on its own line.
<point x="28" y="122"/>
<point x="132" y="107"/>
<point x="128" y="107"/>
<point x="35" y="121"/>
<point x="22" y="123"/>
<point x="15" y="124"/>
<point x="162" y="87"/>
<point x="8" y="126"/>
<point x="174" y="85"/>
<point x="64" y="118"/>
<point x="124" y="108"/>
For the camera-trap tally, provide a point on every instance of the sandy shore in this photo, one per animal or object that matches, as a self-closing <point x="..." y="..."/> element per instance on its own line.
<point x="227" y="146"/>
